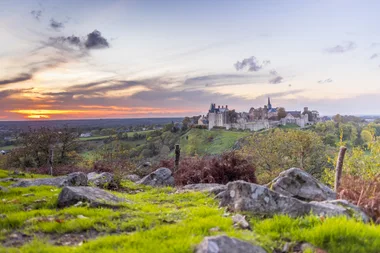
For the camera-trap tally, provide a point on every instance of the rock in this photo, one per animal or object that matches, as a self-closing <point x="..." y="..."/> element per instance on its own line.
<point x="102" y="179"/>
<point x="96" y="197"/>
<point x="338" y="207"/>
<point x="301" y="185"/>
<point x="73" y="179"/>
<point x="209" y="188"/>
<point x="159" y="177"/>
<point x="240" y="222"/>
<point x="259" y="200"/>
<point x="144" y="168"/>
<point x="133" y="177"/>
<point x="225" y="244"/>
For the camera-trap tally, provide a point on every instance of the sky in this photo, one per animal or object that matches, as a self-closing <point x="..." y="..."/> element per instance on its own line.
<point x="146" y="58"/>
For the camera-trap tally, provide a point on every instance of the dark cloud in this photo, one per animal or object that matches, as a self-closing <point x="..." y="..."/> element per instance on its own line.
<point x="95" y="40"/>
<point x="328" y="80"/>
<point x="20" y="78"/>
<point x="36" y="14"/>
<point x="74" y="43"/>
<point x="273" y="72"/>
<point x="7" y="93"/>
<point x="277" y="79"/>
<point x="343" y="48"/>
<point x="56" y="25"/>
<point x="374" y="56"/>
<point x="251" y="63"/>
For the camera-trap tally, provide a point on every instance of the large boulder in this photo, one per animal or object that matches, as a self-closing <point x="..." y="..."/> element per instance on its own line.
<point x="225" y="244"/>
<point x="73" y="179"/>
<point x="301" y="185"/>
<point x="159" y="177"/>
<point x="209" y="188"/>
<point x="259" y="200"/>
<point x="101" y="180"/>
<point x="96" y="197"/>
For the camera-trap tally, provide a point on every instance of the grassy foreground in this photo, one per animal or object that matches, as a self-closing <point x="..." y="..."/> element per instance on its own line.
<point x="158" y="220"/>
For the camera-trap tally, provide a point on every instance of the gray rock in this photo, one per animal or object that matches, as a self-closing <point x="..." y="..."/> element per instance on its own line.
<point x="301" y="185"/>
<point x="259" y="200"/>
<point x="133" y="177"/>
<point x="144" y="168"/>
<point x="101" y="180"/>
<point x="159" y="177"/>
<point x="338" y="207"/>
<point x="210" y="188"/>
<point x="73" y="179"/>
<point x="240" y="222"/>
<point x="96" y="197"/>
<point x="225" y="244"/>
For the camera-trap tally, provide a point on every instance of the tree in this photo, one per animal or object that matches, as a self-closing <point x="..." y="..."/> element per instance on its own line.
<point x="281" y="113"/>
<point x="272" y="152"/>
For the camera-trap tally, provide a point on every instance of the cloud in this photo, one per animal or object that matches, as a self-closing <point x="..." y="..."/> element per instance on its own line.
<point x="95" y="40"/>
<point x="252" y="63"/>
<point x="36" y="14"/>
<point x="277" y="79"/>
<point x="375" y="44"/>
<point x="279" y="94"/>
<point x="7" y="93"/>
<point x="218" y="80"/>
<point x="273" y="72"/>
<point x="343" y="48"/>
<point x="56" y="25"/>
<point x="20" y="78"/>
<point x="328" y="80"/>
<point x="374" y="56"/>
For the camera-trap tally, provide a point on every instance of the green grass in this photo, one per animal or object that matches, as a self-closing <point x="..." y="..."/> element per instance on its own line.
<point x="289" y="126"/>
<point x="202" y="141"/>
<point x="6" y="148"/>
<point x="130" y="134"/>
<point x="162" y="220"/>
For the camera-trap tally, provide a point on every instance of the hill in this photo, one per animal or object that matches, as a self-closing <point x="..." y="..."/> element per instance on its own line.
<point x="205" y="142"/>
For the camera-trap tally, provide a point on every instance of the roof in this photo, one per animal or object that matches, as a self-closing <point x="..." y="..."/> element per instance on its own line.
<point x="296" y="114"/>
<point x="273" y="110"/>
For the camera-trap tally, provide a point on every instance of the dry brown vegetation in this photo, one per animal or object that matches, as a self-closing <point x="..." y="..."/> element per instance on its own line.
<point x="364" y="193"/>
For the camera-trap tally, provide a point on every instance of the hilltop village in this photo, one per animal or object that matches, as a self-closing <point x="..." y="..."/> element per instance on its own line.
<point x="257" y="118"/>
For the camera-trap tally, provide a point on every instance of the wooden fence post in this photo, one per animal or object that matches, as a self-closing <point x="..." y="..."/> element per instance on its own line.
<point x="51" y="159"/>
<point x="339" y="167"/>
<point x="177" y="155"/>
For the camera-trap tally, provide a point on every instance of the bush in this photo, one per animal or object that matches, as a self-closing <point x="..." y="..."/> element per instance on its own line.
<point x="212" y="169"/>
<point x="364" y="193"/>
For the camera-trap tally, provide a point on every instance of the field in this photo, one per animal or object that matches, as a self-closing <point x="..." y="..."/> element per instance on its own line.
<point x="201" y="141"/>
<point x="158" y="220"/>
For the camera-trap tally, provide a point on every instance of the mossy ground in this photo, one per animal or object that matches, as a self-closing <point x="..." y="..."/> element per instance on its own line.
<point x="158" y="220"/>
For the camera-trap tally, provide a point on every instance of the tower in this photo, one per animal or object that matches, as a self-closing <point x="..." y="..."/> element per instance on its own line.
<point x="269" y="104"/>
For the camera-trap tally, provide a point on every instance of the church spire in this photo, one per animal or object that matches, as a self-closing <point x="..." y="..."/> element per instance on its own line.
<point x="269" y="104"/>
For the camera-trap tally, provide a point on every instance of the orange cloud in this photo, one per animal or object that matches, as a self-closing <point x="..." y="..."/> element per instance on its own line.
<point x="97" y="111"/>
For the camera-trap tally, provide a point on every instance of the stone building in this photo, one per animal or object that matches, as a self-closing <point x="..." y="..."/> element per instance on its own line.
<point x="217" y="116"/>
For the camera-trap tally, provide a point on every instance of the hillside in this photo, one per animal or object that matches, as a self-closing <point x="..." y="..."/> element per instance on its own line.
<point x="158" y="220"/>
<point x="202" y="141"/>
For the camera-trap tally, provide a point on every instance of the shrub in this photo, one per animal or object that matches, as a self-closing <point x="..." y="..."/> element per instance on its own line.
<point x="362" y="192"/>
<point x="212" y="169"/>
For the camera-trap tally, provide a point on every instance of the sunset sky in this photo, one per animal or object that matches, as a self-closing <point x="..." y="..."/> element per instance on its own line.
<point x="122" y="59"/>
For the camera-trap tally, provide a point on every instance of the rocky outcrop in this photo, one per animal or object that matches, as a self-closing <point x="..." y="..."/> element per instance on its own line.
<point x="225" y="244"/>
<point x="96" y="197"/>
<point x="101" y="180"/>
<point x="132" y="177"/>
<point x="159" y="177"/>
<point x="209" y="188"/>
<point x="301" y="185"/>
<point x="259" y="200"/>
<point x="73" y="179"/>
